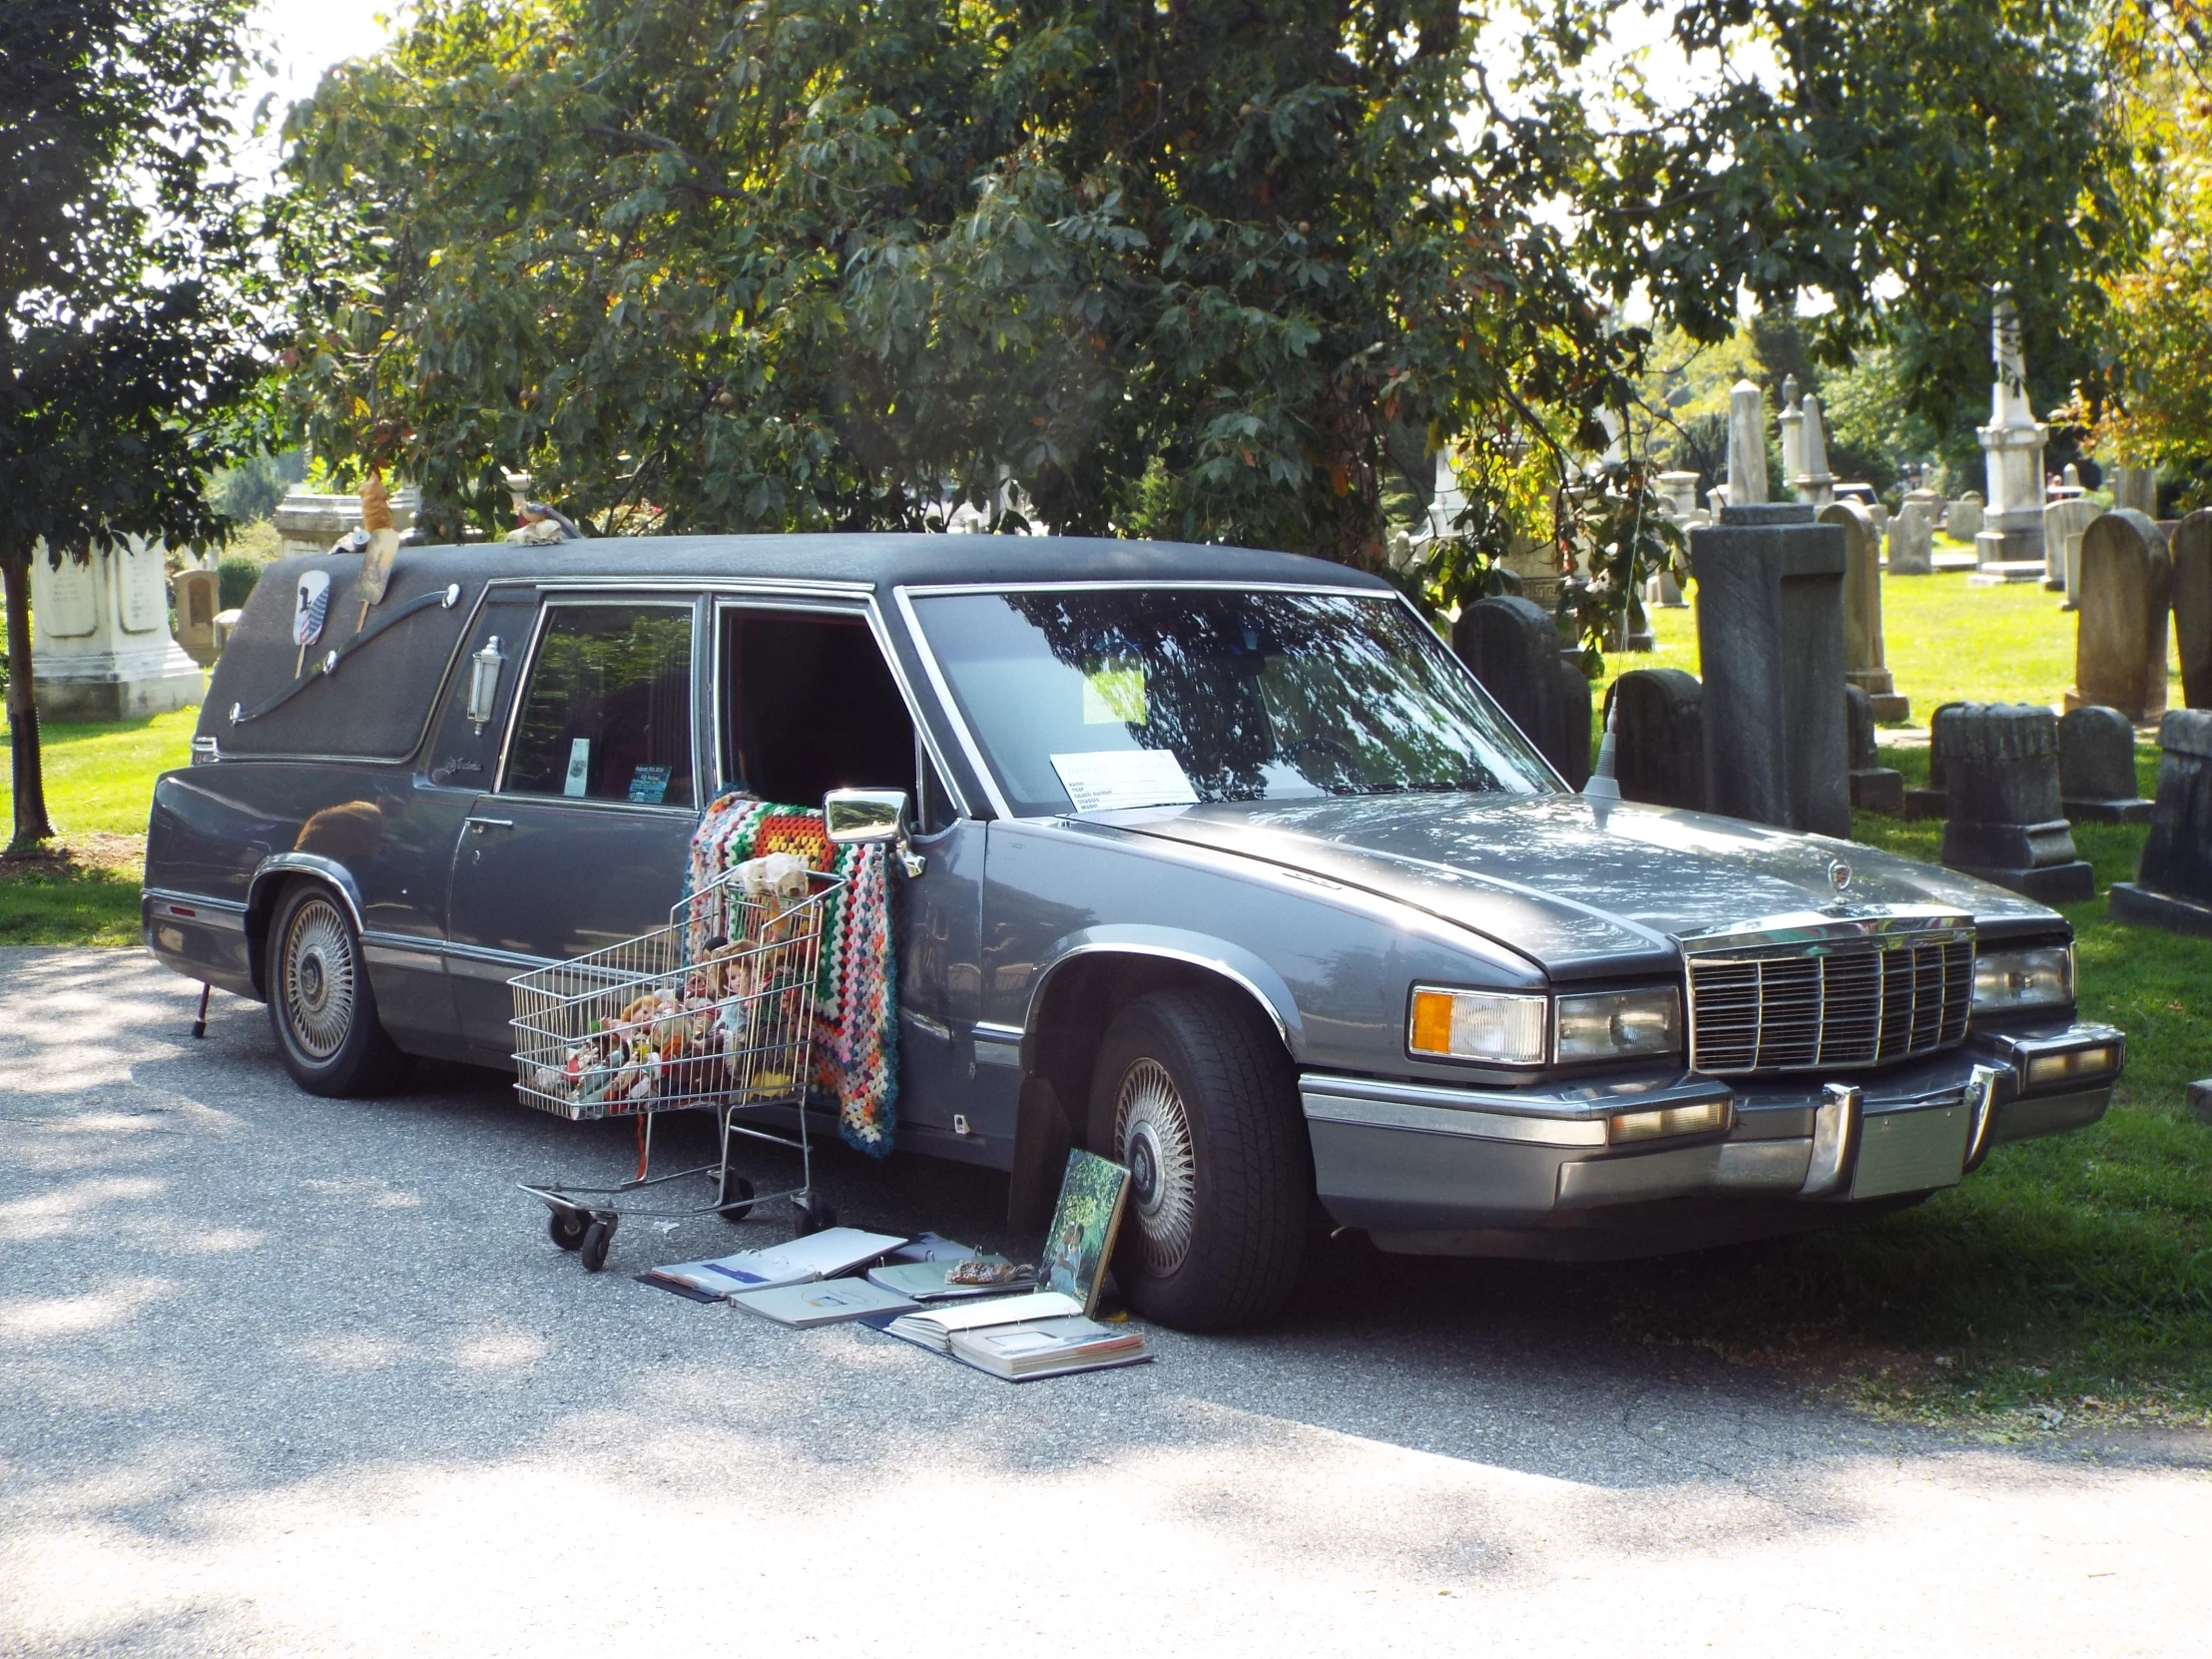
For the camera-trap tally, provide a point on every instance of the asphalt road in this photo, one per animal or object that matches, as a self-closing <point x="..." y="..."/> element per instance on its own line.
<point x="281" y="1376"/>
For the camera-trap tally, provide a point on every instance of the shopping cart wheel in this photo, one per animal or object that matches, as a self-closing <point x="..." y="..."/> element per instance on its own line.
<point x="597" y="1237"/>
<point x="816" y="1217"/>
<point x="739" y="1191"/>
<point x="567" y="1226"/>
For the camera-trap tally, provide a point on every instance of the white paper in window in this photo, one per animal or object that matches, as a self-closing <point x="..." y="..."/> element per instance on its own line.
<point x="579" y="767"/>
<point x="1108" y="780"/>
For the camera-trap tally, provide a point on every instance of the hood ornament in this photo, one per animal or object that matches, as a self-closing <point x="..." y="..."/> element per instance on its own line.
<point x="1839" y="877"/>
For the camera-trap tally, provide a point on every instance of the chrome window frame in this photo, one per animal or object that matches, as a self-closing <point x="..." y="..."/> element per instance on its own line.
<point x="904" y="595"/>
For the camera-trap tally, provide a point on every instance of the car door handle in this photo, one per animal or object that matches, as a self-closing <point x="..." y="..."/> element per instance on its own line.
<point x="479" y="825"/>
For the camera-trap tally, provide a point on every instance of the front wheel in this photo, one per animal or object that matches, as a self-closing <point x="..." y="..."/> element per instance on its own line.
<point x="1203" y="1106"/>
<point x="321" y="1002"/>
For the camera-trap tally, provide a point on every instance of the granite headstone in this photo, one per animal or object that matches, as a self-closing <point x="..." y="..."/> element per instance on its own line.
<point x="1864" y="664"/>
<point x="2005" y="824"/>
<point x="1932" y="799"/>
<point x="2120" y="646"/>
<point x="2064" y="525"/>
<point x="1513" y="648"/>
<point x="1658" y="723"/>
<point x="1770" y="621"/>
<point x="1962" y="519"/>
<point x="1874" y="787"/>
<point x="2096" y="767"/>
<point x="2192" y="606"/>
<point x="1912" y="540"/>
<point x="2173" y="878"/>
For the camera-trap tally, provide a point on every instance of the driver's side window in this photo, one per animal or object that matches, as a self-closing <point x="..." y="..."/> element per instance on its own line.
<point x="808" y="705"/>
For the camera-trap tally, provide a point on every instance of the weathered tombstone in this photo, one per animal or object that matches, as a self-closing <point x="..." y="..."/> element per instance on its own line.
<point x="1513" y="648"/>
<point x="193" y="594"/>
<point x="1747" y="445"/>
<point x="1912" y="540"/>
<point x="99" y="642"/>
<point x="2174" y="880"/>
<point x="1932" y="799"/>
<point x="1658" y="722"/>
<point x="1963" y="517"/>
<point x="1679" y="491"/>
<point x="1770" y="621"/>
<point x="2120" y="639"/>
<point x="2096" y="767"/>
<point x="1864" y="665"/>
<point x="1814" y="484"/>
<point x="2192" y="606"/>
<point x="2135" y="488"/>
<point x="2013" y="447"/>
<point x="1791" y="425"/>
<point x="2005" y="824"/>
<point x="2064" y="525"/>
<point x="1874" y="787"/>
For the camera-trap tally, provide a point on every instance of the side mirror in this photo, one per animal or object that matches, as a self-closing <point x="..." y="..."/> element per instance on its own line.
<point x="871" y="817"/>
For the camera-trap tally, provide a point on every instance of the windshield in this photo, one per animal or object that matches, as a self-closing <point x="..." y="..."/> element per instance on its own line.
<point x="1096" y="698"/>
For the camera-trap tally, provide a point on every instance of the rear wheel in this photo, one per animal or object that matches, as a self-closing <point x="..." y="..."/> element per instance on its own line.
<point x="1203" y="1106"/>
<point x="320" y="1003"/>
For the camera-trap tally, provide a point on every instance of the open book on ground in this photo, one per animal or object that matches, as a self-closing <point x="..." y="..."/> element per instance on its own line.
<point x="928" y="1281"/>
<point x="823" y="1254"/>
<point x="824" y="1302"/>
<point x="1049" y="1348"/>
<point x="932" y="1328"/>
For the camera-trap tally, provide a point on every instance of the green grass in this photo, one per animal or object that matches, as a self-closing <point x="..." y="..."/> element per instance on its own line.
<point x="98" y="780"/>
<point x="1944" y="640"/>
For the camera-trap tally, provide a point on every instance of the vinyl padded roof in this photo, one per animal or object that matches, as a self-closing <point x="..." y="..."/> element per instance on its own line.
<point x="881" y="561"/>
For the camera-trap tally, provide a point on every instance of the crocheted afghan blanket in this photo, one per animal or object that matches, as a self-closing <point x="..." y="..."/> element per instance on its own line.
<point x="856" y="986"/>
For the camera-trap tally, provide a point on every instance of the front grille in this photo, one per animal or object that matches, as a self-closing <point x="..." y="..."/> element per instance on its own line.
<point x="1830" y="1004"/>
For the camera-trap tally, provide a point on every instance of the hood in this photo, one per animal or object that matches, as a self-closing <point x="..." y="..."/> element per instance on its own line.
<point x="1580" y="887"/>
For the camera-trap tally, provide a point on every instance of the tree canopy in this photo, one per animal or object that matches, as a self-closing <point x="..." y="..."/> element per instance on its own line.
<point x="1203" y="268"/>
<point x="128" y="273"/>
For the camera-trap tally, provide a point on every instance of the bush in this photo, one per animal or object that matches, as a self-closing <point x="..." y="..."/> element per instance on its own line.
<point x="234" y="580"/>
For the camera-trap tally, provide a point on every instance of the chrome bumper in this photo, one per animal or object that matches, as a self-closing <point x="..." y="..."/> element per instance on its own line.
<point x="1395" y="1156"/>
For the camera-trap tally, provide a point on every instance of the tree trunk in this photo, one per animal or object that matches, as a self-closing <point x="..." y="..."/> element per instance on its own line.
<point x="31" y="823"/>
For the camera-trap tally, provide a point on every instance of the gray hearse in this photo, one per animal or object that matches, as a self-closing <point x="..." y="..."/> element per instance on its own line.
<point x="1217" y="861"/>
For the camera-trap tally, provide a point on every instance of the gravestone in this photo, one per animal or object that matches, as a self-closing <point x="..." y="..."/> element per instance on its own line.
<point x="2173" y="878"/>
<point x="1874" y="787"/>
<point x="1679" y="491"/>
<point x="2192" y="606"/>
<point x="2064" y="525"/>
<point x="2005" y="824"/>
<point x="1932" y="799"/>
<point x="2012" y="446"/>
<point x="2120" y="636"/>
<point x="1513" y="648"/>
<point x="1658" y="722"/>
<point x="1963" y="517"/>
<point x="1864" y="664"/>
<point x="1770" y="622"/>
<point x="2135" y="488"/>
<point x="1789" y="423"/>
<point x="193" y="593"/>
<point x="99" y="642"/>
<point x="1814" y="484"/>
<point x="2096" y="767"/>
<point x="1912" y="540"/>
<point x="1747" y="445"/>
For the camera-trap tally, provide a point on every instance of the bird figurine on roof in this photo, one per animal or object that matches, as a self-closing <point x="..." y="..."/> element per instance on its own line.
<point x="536" y="523"/>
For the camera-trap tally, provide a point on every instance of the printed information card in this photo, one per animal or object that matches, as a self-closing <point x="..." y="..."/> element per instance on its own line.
<point x="1111" y="780"/>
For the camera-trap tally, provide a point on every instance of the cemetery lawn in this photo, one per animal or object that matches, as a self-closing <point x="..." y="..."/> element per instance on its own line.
<point x="1944" y="643"/>
<point x="84" y="888"/>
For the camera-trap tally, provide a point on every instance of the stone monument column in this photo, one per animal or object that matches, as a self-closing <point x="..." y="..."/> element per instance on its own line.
<point x="1814" y="483"/>
<point x="99" y="642"/>
<point x="2013" y="445"/>
<point x="1792" y="422"/>
<point x="1747" y="445"/>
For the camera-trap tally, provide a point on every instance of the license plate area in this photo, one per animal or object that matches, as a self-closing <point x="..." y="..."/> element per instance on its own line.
<point x="1911" y="1152"/>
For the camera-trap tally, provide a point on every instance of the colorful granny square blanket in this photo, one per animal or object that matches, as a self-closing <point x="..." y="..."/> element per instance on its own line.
<point x="856" y="988"/>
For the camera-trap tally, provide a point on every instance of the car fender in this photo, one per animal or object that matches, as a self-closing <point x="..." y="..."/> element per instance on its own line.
<point x="1201" y="950"/>
<point x="261" y="889"/>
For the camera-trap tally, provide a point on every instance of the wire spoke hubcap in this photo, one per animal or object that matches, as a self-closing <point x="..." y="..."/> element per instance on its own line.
<point x="318" y="978"/>
<point x="1153" y="1130"/>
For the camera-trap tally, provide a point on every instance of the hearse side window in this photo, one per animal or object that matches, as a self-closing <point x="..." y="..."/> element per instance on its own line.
<point x="606" y="714"/>
<point x="808" y="706"/>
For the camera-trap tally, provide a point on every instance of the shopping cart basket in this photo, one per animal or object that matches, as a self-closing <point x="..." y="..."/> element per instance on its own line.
<point x="716" y="1011"/>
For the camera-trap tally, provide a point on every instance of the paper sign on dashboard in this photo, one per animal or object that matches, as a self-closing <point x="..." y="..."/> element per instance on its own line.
<point x="1109" y="780"/>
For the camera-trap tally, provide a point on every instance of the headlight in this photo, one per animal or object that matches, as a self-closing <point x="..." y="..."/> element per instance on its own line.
<point x="2005" y="980"/>
<point x="1620" y="1025"/>
<point x="1477" y="1025"/>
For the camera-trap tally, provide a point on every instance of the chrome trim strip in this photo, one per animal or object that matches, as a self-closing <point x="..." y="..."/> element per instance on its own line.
<point x="397" y="950"/>
<point x="1172" y="953"/>
<point x="931" y="590"/>
<point x="227" y="913"/>
<point x="992" y="1031"/>
<point x="984" y="776"/>
<point x="1594" y="1102"/>
<point x="1323" y="1106"/>
<point x="311" y="864"/>
<point x="1834" y="1140"/>
<point x="802" y="587"/>
<point x="1803" y="932"/>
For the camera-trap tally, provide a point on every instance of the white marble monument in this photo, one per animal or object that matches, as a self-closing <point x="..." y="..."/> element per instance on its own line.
<point x="100" y="640"/>
<point x="1747" y="445"/>
<point x="2012" y="443"/>
<point x="1814" y="483"/>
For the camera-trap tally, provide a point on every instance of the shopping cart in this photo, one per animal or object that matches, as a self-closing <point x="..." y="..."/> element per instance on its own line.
<point x="716" y="1011"/>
